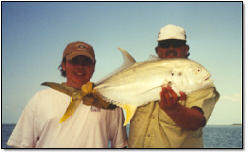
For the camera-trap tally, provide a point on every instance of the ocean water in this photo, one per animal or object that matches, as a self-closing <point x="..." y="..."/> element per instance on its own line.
<point x="225" y="136"/>
<point x="214" y="136"/>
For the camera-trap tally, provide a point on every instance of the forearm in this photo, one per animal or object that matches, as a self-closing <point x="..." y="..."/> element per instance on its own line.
<point x="186" y="118"/>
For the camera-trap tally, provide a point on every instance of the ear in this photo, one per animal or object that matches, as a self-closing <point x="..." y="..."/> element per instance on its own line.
<point x="156" y="49"/>
<point x="63" y="65"/>
<point x="186" y="49"/>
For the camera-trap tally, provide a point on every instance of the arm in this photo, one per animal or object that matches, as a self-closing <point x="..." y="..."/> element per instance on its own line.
<point x="186" y="118"/>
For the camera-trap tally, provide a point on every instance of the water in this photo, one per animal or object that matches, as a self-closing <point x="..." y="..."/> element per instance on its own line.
<point x="214" y="136"/>
<point x="222" y="136"/>
<point x="6" y="132"/>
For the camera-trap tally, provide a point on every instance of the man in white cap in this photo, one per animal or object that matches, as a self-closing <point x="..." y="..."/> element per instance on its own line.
<point x="172" y="42"/>
<point x="88" y="127"/>
<point x="172" y="122"/>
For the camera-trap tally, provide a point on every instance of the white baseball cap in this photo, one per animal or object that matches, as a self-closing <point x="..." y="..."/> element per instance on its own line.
<point x="171" y="32"/>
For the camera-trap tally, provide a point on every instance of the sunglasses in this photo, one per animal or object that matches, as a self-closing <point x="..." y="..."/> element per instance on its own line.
<point x="81" y="60"/>
<point x="167" y="44"/>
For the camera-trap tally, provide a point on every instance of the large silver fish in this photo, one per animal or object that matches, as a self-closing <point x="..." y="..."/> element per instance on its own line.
<point x="137" y="84"/>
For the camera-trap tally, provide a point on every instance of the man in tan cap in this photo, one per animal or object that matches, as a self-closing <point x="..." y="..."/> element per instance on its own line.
<point x="172" y="122"/>
<point x="88" y="127"/>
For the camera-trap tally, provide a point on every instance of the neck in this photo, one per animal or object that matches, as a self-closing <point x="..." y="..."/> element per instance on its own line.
<point x="74" y="85"/>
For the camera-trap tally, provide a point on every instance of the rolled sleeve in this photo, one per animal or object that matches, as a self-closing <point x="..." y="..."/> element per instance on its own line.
<point x="205" y="99"/>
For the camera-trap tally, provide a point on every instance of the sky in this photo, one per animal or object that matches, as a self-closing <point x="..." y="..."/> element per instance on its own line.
<point x="34" y="35"/>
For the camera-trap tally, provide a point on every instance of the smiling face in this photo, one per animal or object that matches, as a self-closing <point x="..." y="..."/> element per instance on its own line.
<point x="79" y="70"/>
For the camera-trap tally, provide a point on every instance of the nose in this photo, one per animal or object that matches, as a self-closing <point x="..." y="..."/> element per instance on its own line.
<point x="171" y="47"/>
<point x="81" y="67"/>
<point x="171" y="51"/>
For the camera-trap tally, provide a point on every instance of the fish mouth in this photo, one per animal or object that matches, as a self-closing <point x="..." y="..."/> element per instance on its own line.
<point x="207" y="78"/>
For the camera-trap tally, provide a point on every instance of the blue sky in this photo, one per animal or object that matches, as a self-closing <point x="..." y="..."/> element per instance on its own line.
<point x="34" y="35"/>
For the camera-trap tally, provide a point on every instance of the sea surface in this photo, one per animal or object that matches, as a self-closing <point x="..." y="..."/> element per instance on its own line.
<point x="214" y="136"/>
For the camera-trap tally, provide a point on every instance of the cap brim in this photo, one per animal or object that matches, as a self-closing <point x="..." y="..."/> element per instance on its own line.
<point x="80" y="53"/>
<point x="171" y="38"/>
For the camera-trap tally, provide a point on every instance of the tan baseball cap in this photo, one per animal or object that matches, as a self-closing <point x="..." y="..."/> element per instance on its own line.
<point x="79" y="48"/>
<point x="171" y="32"/>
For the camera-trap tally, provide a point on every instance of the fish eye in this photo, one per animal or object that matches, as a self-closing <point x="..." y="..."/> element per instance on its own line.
<point x="198" y="70"/>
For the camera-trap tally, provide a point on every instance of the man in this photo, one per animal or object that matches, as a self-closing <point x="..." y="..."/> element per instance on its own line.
<point x="88" y="127"/>
<point x="172" y="121"/>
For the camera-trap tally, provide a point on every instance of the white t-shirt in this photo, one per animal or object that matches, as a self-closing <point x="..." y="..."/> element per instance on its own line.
<point x="88" y="127"/>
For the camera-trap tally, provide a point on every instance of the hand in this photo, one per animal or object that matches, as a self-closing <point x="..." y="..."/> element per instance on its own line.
<point x="169" y="99"/>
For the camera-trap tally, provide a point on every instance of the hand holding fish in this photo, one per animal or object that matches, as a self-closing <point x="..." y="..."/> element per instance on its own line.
<point x="186" y="118"/>
<point x="169" y="98"/>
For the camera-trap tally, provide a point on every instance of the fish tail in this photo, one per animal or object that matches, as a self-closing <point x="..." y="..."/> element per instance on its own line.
<point x="85" y="90"/>
<point x="70" y="110"/>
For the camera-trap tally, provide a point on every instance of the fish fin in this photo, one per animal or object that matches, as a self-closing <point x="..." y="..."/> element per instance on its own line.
<point x="70" y="109"/>
<point x="130" y="110"/>
<point x="128" y="61"/>
<point x="58" y="87"/>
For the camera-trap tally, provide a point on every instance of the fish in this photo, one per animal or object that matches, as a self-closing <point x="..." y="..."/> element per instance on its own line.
<point x="138" y="83"/>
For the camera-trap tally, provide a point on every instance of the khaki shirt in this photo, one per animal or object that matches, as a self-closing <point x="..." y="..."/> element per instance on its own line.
<point x="151" y="127"/>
